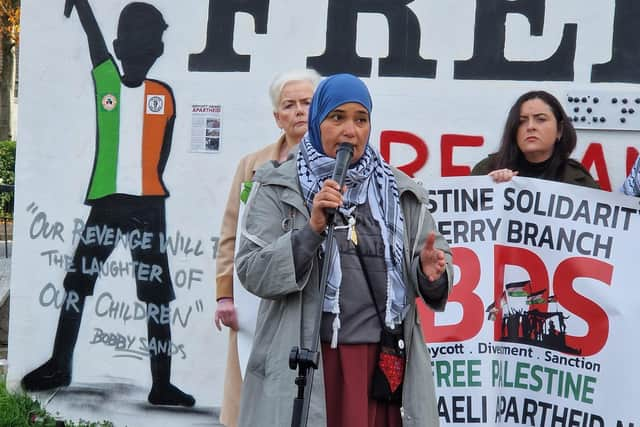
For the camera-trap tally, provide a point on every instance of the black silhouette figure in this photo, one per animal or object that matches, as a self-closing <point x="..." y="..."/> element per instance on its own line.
<point x="129" y="202"/>
<point x="563" y="325"/>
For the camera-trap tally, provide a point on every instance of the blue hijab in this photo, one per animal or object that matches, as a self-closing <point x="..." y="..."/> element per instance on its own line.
<point x="370" y="180"/>
<point x="332" y="92"/>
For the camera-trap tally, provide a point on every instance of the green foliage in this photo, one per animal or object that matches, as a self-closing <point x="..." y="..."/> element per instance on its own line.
<point x="19" y="410"/>
<point x="7" y="176"/>
<point x="7" y="162"/>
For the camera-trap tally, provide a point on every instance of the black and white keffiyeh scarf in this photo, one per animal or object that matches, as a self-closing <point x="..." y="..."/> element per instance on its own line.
<point x="372" y="180"/>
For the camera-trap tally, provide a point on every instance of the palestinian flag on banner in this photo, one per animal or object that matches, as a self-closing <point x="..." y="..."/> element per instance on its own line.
<point x="536" y="298"/>
<point x="517" y="289"/>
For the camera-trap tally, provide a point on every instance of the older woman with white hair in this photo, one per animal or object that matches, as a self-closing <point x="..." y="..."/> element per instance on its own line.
<point x="290" y="94"/>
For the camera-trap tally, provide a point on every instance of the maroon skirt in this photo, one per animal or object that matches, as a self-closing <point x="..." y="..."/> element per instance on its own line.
<point x="348" y="370"/>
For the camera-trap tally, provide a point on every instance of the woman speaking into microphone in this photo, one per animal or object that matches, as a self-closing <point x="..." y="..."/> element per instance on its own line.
<point x="373" y="358"/>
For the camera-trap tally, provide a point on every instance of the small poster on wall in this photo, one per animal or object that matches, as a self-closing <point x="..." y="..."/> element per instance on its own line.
<point x="206" y="122"/>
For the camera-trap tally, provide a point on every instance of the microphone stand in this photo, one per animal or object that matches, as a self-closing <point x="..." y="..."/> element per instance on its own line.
<point x="306" y="360"/>
<point x="303" y="359"/>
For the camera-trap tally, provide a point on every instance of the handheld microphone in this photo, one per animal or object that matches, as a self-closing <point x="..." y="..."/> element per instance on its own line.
<point x="343" y="159"/>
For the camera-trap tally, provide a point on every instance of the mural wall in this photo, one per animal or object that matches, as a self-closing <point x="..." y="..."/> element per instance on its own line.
<point x="133" y="116"/>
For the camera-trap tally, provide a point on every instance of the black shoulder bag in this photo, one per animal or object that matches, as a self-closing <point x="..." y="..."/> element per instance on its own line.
<point x="388" y="375"/>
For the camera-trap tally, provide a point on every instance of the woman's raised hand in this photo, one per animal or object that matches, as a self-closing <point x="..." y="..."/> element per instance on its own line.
<point x="432" y="260"/>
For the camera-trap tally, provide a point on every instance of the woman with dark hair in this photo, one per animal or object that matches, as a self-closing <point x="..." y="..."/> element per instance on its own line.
<point x="537" y="140"/>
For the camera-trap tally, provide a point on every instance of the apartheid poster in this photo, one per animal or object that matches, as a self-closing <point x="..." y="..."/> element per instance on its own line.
<point x="542" y="312"/>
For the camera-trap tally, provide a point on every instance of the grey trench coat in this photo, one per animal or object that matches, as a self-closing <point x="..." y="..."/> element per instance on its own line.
<point x="265" y="267"/>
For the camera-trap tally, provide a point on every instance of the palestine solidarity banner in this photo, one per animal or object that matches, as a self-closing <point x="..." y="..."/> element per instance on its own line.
<point x="542" y="324"/>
